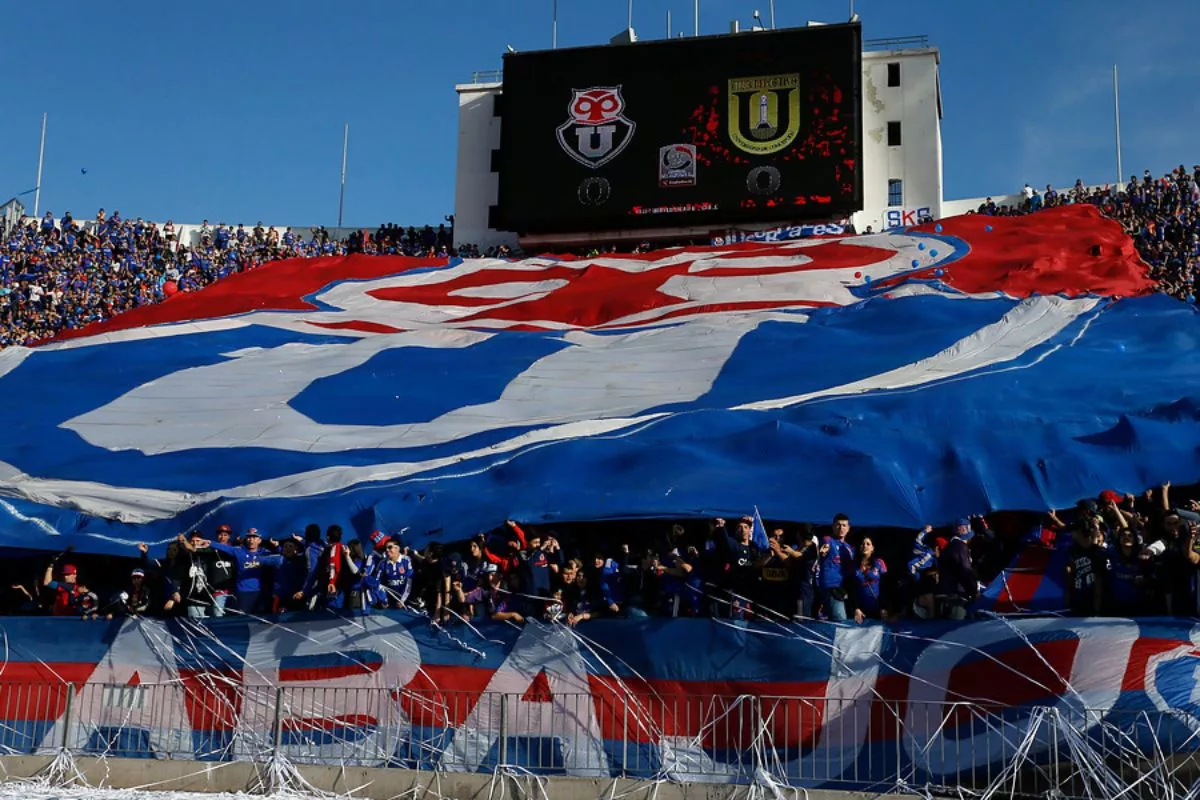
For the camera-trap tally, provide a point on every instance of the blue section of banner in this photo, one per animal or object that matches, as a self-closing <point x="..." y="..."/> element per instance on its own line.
<point x="1041" y="429"/>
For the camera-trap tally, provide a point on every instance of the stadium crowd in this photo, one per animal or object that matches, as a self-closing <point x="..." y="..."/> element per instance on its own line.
<point x="1126" y="556"/>
<point x="61" y="273"/>
<point x="1161" y="215"/>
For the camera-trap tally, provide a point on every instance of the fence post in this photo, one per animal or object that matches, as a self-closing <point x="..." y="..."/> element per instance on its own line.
<point x="502" y="750"/>
<point x="899" y="743"/>
<point x="1055" y="775"/>
<point x="758" y="737"/>
<point x="70" y="707"/>
<point x="625" y="738"/>
<point x="277" y="728"/>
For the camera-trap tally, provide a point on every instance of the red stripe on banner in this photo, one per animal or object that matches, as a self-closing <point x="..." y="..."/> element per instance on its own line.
<point x="212" y="698"/>
<point x="356" y="325"/>
<point x="1022" y="580"/>
<point x="37" y="692"/>
<point x="291" y="674"/>
<point x="328" y="724"/>
<point x="279" y="286"/>
<point x="1014" y="677"/>
<point x="430" y="706"/>
<point x="1143" y="650"/>
<point x="888" y="708"/>
<point x="595" y="295"/>
<point x="716" y="713"/>
<point x="1071" y="249"/>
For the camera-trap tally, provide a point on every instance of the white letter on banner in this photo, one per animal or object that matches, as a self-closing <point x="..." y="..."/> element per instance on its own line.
<point x="340" y="702"/>
<point x="1093" y="686"/>
<point x="135" y="688"/>
<point x="849" y="697"/>
<point x="1172" y="682"/>
<point x="543" y="689"/>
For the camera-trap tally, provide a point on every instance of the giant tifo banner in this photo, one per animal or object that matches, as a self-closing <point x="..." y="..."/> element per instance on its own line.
<point x="904" y="378"/>
<point x="808" y="704"/>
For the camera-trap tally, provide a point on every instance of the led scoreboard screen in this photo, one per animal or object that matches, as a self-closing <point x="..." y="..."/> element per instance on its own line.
<point x="758" y="126"/>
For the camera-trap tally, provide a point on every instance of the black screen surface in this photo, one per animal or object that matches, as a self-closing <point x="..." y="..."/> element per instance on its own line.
<point x="760" y="126"/>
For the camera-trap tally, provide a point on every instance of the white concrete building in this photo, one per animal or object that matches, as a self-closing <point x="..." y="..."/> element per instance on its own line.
<point x="902" y="146"/>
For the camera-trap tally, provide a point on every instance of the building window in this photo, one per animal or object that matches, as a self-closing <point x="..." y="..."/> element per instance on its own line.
<point x="895" y="192"/>
<point x="893" y="134"/>
<point x="894" y="73"/>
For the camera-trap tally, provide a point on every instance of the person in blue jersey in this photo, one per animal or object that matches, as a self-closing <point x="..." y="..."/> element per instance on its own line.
<point x="472" y="563"/>
<point x="606" y="581"/>
<point x="867" y="581"/>
<point x="390" y="583"/>
<point x="540" y="563"/>
<point x="835" y="561"/>
<point x="922" y="557"/>
<point x="252" y="563"/>
<point x="1127" y="592"/>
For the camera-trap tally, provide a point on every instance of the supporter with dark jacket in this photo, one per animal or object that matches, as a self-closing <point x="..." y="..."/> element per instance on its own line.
<point x="1087" y="566"/>
<point x="958" y="582"/>
<point x="290" y="578"/>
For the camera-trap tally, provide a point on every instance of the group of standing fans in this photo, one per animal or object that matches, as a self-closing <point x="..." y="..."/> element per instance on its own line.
<point x="1124" y="555"/>
<point x="512" y="575"/>
<point x="1133" y="556"/>
<point x="201" y="578"/>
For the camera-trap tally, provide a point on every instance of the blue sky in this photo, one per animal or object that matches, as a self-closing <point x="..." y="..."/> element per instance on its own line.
<point x="234" y="111"/>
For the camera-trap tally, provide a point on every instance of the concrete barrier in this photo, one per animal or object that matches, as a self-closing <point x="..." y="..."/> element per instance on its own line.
<point x="381" y="784"/>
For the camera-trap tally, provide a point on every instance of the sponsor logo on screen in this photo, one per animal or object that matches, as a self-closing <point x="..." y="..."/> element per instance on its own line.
<point x="677" y="165"/>
<point x="764" y="112"/>
<point x="596" y="130"/>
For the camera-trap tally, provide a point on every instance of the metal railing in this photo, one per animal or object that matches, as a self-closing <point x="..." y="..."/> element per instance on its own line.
<point x="918" y="42"/>
<point x="487" y="76"/>
<point x="896" y="43"/>
<point x="617" y="730"/>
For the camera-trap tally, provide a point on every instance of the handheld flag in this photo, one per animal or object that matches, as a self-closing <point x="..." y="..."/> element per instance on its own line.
<point x="759" y="532"/>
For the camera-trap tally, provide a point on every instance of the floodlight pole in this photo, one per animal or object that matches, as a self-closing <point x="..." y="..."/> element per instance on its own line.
<point x="696" y="18"/>
<point x="342" y="195"/>
<point x="1116" y="120"/>
<point x="37" y="191"/>
<point x="554" y="29"/>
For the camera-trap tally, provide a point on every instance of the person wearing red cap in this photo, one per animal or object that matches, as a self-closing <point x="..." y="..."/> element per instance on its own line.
<point x="71" y="597"/>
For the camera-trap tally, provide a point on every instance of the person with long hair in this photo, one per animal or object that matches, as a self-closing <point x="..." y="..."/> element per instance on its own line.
<point x="865" y="583"/>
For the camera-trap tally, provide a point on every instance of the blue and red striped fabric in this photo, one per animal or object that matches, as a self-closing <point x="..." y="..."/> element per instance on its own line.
<point x="903" y="378"/>
<point x="824" y="703"/>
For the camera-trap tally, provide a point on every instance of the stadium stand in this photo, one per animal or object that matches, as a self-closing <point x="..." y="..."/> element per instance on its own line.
<point x="1125" y="554"/>
<point x="61" y="273"/>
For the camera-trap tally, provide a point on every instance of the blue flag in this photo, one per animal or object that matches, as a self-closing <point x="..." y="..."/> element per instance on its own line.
<point x="759" y="532"/>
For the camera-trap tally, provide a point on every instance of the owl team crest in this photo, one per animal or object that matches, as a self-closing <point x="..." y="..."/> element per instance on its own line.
<point x="764" y="113"/>
<point x="596" y="130"/>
